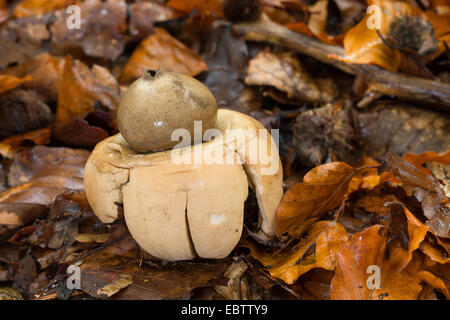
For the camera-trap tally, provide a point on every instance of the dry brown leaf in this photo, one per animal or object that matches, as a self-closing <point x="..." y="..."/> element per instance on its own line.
<point x="402" y="128"/>
<point x="34" y="7"/>
<point x="284" y="71"/>
<point x="363" y="45"/>
<point x="149" y="283"/>
<point x="323" y="189"/>
<point x="143" y="15"/>
<point x="45" y="71"/>
<point x="92" y="237"/>
<point x="111" y="289"/>
<point x="10" y="146"/>
<point x="161" y="50"/>
<point x="441" y="29"/>
<point x="40" y="174"/>
<point x="102" y="33"/>
<point x="427" y="190"/>
<point x="207" y="10"/>
<point x="8" y="82"/>
<point x="4" y="11"/>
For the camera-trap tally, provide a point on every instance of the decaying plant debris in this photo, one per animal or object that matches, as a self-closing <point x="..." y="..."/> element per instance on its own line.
<point x="364" y="140"/>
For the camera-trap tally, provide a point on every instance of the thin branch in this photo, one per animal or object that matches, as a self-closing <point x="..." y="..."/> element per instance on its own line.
<point x="431" y="93"/>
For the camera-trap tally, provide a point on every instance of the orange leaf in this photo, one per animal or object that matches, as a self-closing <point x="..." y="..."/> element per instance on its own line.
<point x="34" y="7"/>
<point x="441" y="29"/>
<point x="301" y="27"/>
<point x="352" y="260"/>
<point x="323" y="189"/>
<point x="365" y="249"/>
<point x="4" y="11"/>
<point x="162" y="50"/>
<point x="10" y="146"/>
<point x="363" y="45"/>
<point x="8" y="82"/>
<point x="204" y="7"/>
<point x="367" y="178"/>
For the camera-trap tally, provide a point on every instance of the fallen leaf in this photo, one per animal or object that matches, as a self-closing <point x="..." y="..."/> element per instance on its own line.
<point x="10" y="146"/>
<point x="353" y="281"/>
<point x="363" y="44"/>
<point x="149" y="283"/>
<point x="284" y="71"/>
<point x="207" y="10"/>
<point x="23" y="39"/>
<point x="10" y="294"/>
<point x="81" y="92"/>
<point x="34" y="7"/>
<point x="42" y="173"/>
<point x="4" y="11"/>
<point x="16" y="215"/>
<point x="441" y="29"/>
<point x="102" y="33"/>
<point x="232" y="291"/>
<point x="143" y="15"/>
<point x="45" y="71"/>
<point x="322" y="132"/>
<point x="22" y="111"/>
<point x="226" y="55"/>
<point x="8" y="82"/>
<point x="316" y="250"/>
<point x="97" y="238"/>
<point x="323" y="189"/>
<point x="111" y="289"/>
<point x="427" y="190"/>
<point x="161" y="50"/>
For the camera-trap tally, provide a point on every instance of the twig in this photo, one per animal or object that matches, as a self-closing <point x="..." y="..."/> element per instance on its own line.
<point x="429" y="92"/>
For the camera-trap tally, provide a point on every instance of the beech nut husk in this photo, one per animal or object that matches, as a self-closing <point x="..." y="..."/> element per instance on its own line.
<point x="181" y="211"/>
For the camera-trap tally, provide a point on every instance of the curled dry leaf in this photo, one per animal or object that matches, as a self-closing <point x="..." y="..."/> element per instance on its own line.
<point x="368" y="248"/>
<point x="8" y="82"/>
<point x="10" y="146"/>
<point x="4" y="11"/>
<point x="403" y="128"/>
<point x="143" y="15"/>
<point x="316" y="250"/>
<point x="22" y="111"/>
<point x="161" y="50"/>
<point x="427" y="190"/>
<point x="323" y="189"/>
<point x="34" y="7"/>
<point x="284" y="71"/>
<point x="363" y="44"/>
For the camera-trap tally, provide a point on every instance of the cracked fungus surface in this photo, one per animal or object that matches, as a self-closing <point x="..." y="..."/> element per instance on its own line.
<point x="178" y="211"/>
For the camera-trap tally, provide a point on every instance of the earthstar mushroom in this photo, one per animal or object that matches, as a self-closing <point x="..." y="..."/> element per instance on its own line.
<point x="183" y="210"/>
